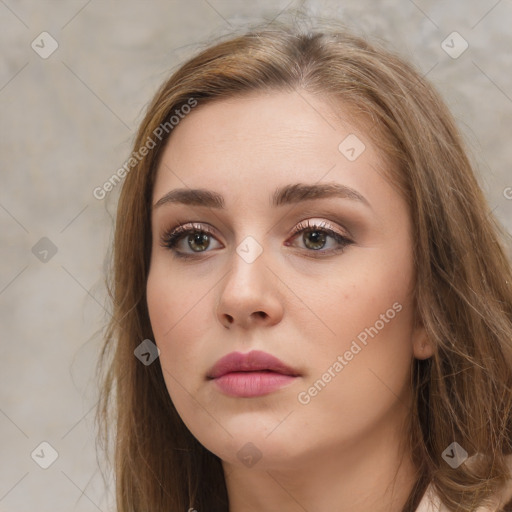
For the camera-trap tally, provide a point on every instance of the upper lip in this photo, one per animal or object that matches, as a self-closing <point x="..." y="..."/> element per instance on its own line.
<point x="255" y="360"/>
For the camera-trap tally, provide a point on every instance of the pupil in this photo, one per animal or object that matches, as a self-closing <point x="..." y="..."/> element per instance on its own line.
<point x="199" y="239"/>
<point x="317" y="238"/>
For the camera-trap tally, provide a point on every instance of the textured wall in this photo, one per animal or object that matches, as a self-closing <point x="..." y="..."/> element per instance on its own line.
<point x="66" y="126"/>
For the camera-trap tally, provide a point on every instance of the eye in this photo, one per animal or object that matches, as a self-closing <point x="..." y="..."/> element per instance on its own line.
<point x="189" y="239"/>
<point x="316" y="235"/>
<point x="196" y="237"/>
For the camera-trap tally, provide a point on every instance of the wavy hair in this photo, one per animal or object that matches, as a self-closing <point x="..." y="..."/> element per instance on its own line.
<point x="462" y="295"/>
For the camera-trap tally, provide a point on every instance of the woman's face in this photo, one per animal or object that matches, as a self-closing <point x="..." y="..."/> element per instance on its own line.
<point x="303" y="251"/>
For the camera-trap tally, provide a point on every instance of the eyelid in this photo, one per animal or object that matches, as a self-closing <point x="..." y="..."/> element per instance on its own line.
<point x="337" y="221"/>
<point x="317" y="223"/>
<point x="185" y="228"/>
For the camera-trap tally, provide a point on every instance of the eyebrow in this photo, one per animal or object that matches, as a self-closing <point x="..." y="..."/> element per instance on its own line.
<point x="286" y="195"/>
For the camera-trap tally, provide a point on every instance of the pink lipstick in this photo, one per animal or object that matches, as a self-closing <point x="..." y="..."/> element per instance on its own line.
<point x="252" y="374"/>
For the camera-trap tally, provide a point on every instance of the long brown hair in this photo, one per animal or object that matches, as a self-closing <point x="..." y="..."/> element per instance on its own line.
<point x="463" y="289"/>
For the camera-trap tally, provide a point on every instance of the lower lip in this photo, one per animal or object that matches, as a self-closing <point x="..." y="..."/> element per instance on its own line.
<point x="250" y="384"/>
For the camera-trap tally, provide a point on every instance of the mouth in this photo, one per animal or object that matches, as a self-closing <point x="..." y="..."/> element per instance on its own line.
<point x="252" y="374"/>
<point x="254" y="361"/>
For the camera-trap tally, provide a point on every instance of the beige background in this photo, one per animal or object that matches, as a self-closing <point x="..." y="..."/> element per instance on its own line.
<point x="66" y="126"/>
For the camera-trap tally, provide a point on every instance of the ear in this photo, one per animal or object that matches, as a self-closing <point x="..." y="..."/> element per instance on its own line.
<point x="421" y="344"/>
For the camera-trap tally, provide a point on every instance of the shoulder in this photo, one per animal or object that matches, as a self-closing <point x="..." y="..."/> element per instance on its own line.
<point x="502" y="500"/>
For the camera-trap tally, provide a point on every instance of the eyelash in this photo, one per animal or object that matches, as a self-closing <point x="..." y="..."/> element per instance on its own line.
<point x="171" y="237"/>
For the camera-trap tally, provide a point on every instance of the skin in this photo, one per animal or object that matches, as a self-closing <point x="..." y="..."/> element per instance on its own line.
<point x="341" y="450"/>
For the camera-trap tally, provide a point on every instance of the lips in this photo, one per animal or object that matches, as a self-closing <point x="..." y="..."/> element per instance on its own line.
<point x="254" y="361"/>
<point x="250" y="375"/>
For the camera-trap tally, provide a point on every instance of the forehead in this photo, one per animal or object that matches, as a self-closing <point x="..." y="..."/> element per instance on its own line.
<point x="245" y="147"/>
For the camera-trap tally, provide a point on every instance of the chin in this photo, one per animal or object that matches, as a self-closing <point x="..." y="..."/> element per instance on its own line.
<point x="252" y="447"/>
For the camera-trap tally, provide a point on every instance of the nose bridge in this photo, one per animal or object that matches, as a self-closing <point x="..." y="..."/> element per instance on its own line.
<point x="250" y="290"/>
<point x="251" y="242"/>
<point x="248" y="265"/>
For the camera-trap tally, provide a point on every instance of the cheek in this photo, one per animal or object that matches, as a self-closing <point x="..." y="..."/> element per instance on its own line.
<point x="179" y="319"/>
<point x="360" y="295"/>
<point x="368" y="311"/>
<point x="360" y="376"/>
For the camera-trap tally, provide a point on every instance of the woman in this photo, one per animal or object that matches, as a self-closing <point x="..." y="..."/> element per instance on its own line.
<point x="344" y="342"/>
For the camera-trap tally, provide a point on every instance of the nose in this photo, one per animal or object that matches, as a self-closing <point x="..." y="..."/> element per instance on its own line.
<point x="249" y="295"/>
